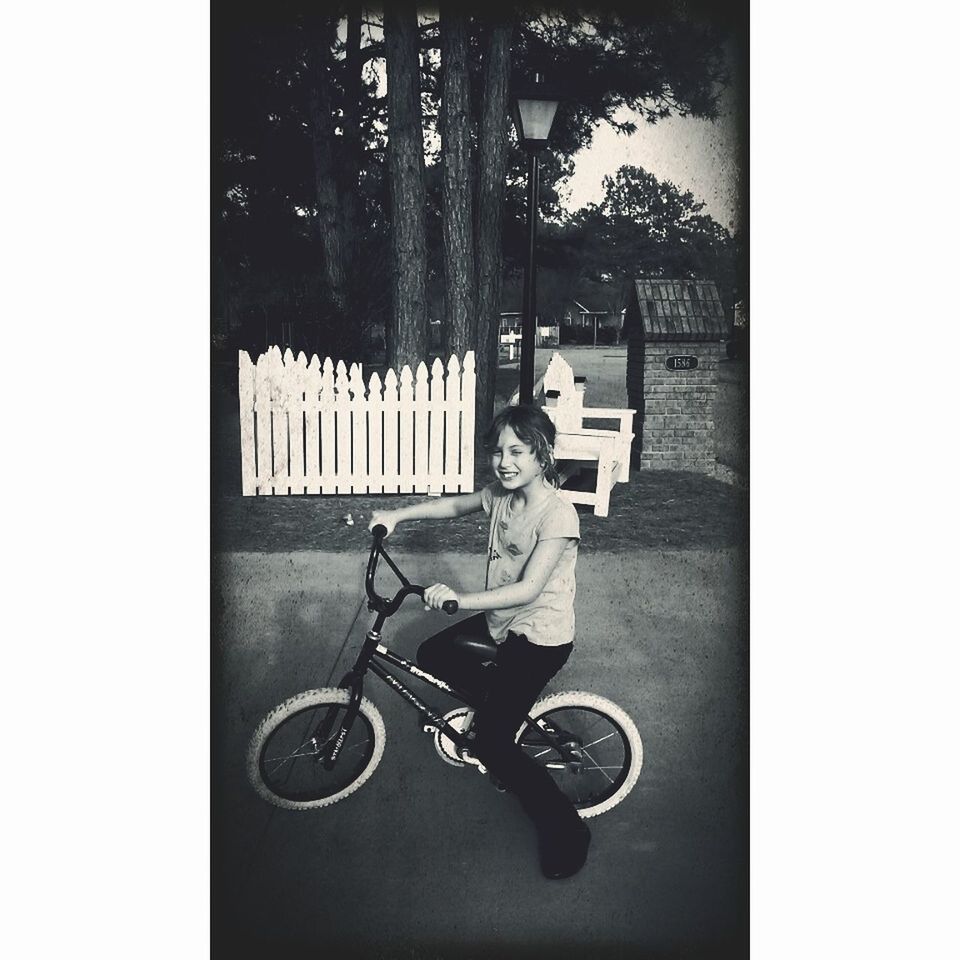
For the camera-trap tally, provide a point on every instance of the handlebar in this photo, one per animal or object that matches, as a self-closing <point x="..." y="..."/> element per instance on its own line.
<point x="382" y="604"/>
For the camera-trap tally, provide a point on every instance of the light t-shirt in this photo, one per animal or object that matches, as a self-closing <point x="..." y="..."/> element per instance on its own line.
<point x="548" y="619"/>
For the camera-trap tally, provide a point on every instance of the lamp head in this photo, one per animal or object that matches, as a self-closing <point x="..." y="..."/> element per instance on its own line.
<point x="534" y="105"/>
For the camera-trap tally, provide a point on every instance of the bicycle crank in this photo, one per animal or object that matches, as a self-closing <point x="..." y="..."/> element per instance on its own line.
<point x="460" y="719"/>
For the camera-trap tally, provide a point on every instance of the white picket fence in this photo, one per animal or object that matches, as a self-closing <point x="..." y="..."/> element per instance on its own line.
<point x="315" y="428"/>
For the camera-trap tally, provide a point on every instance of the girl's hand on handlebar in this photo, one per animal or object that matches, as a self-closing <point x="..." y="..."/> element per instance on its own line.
<point x="435" y="596"/>
<point x="385" y="517"/>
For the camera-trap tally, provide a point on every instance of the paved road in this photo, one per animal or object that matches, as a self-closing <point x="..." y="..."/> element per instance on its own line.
<point x="427" y="861"/>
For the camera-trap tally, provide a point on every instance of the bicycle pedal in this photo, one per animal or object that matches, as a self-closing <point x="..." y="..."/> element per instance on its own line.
<point x="567" y="741"/>
<point x="465" y="756"/>
<point x="429" y="728"/>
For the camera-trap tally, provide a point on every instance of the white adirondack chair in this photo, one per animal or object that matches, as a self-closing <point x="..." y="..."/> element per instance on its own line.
<point x="578" y="445"/>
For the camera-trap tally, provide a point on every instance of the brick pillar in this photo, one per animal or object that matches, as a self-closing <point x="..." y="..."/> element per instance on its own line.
<point x="678" y="407"/>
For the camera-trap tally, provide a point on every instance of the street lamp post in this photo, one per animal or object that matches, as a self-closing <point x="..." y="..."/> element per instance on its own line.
<point x="533" y="111"/>
<point x="528" y="336"/>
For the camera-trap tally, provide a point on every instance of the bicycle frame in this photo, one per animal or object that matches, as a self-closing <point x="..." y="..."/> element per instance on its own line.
<point x="370" y="658"/>
<point x="373" y="652"/>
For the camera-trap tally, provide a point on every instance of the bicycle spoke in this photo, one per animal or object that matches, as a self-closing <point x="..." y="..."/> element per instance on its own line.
<point x="598" y="767"/>
<point x="584" y="747"/>
<point x="588" y="774"/>
<point x="594" y="742"/>
<point x="296" y="755"/>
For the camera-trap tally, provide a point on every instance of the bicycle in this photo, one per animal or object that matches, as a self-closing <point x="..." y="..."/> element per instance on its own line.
<point x="320" y="746"/>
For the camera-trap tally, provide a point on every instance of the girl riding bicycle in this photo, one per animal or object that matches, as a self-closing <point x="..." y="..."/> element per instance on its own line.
<point x="504" y="656"/>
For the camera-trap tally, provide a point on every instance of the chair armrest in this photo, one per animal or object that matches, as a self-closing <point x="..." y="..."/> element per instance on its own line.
<point x="611" y="412"/>
<point x="625" y="416"/>
<point x="588" y="432"/>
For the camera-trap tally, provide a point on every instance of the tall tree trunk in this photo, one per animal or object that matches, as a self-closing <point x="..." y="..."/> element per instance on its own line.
<point x="406" y="335"/>
<point x="491" y="179"/>
<point x="460" y="325"/>
<point x="328" y="224"/>
<point x="352" y="144"/>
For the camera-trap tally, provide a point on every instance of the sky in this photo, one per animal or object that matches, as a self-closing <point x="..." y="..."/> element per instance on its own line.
<point x="694" y="154"/>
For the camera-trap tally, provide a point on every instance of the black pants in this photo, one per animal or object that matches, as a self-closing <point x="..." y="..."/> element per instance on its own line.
<point x="502" y="681"/>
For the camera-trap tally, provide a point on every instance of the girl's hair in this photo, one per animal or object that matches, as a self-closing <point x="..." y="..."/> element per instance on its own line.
<point x="533" y="427"/>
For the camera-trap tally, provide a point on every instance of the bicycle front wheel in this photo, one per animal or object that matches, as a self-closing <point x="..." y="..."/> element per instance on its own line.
<point x="285" y="757"/>
<point x="602" y="754"/>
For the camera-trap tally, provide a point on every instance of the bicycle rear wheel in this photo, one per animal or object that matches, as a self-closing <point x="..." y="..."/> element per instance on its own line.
<point x="605" y="754"/>
<point x="285" y="757"/>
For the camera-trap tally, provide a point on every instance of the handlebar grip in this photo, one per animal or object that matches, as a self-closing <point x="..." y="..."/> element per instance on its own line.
<point x="450" y="606"/>
<point x="379" y="531"/>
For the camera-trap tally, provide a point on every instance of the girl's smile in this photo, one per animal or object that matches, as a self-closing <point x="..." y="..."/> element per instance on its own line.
<point x="514" y="461"/>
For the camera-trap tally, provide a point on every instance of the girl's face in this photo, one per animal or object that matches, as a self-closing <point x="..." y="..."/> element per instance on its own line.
<point x="514" y="461"/>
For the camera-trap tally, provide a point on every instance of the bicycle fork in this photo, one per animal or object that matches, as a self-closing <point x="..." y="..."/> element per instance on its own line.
<point x="329" y="749"/>
<point x="329" y="745"/>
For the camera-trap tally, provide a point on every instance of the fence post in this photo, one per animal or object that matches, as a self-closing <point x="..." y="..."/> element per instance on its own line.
<point x="263" y="394"/>
<point x="437" y="417"/>
<point x="248" y="451"/>
<point x="375" y="433"/>
<point x="468" y="387"/>
<point x="296" y="375"/>
<point x="391" y="433"/>
<point x="451" y="430"/>
<point x="279" y="405"/>
<point x="328" y="436"/>
<point x="311" y="411"/>
<point x="421" y="415"/>
<point x="358" y="421"/>
<point x="341" y="406"/>
<point x="406" y="437"/>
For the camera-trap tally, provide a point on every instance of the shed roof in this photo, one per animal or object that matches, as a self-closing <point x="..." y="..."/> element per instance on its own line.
<point x="680" y="309"/>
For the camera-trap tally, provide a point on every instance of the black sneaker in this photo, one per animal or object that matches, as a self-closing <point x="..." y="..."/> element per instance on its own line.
<point x="563" y="850"/>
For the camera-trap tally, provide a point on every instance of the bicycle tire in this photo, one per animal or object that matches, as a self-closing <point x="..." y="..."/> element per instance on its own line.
<point x="280" y="747"/>
<point x="590" y="717"/>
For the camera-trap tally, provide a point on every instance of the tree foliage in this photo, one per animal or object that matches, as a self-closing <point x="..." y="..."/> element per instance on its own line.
<point x="306" y="214"/>
<point x="642" y="227"/>
<point x="648" y="225"/>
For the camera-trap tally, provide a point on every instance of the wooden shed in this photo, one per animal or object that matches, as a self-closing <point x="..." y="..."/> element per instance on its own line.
<point x="675" y="331"/>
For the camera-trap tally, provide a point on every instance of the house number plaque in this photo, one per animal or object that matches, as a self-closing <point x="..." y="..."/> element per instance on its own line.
<point x="681" y="363"/>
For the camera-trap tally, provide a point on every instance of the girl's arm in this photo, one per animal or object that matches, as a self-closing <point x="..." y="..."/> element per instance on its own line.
<point x="444" y="508"/>
<point x="530" y="585"/>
